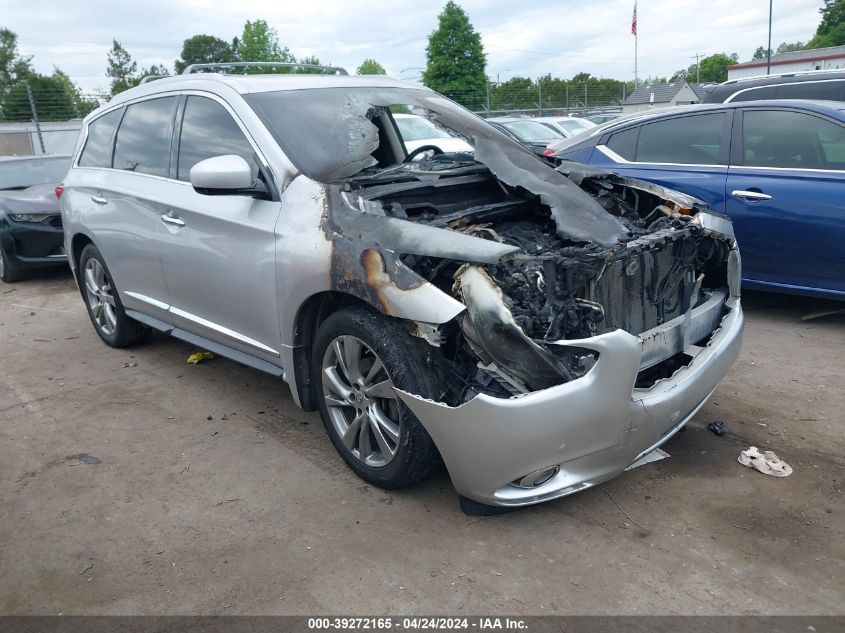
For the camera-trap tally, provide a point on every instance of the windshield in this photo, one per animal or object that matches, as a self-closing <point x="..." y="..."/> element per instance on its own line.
<point x="531" y="131"/>
<point x="417" y="128"/>
<point x="333" y="134"/>
<point x="573" y="126"/>
<point x="20" y="174"/>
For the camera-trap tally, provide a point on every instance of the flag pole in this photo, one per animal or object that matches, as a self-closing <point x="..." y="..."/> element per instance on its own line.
<point x="635" y="30"/>
<point x="636" y="79"/>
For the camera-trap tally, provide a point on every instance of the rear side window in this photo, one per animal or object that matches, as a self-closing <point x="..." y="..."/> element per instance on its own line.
<point x="624" y="143"/>
<point x="792" y="140"/>
<point x="209" y="130"/>
<point x="829" y="90"/>
<point x="143" y="139"/>
<point x="690" y="140"/>
<point x="97" y="151"/>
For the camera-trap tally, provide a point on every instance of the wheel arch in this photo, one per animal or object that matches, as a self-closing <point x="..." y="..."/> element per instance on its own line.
<point x="77" y="244"/>
<point x="310" y="315"/>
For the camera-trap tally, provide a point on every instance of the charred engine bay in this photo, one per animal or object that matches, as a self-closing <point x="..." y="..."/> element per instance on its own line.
<point x="553" y="287"/>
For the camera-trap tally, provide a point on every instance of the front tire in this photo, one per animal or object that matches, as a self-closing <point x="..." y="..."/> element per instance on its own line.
<point x="357" y="359"/>
<point x="8" y="272"/>
<point x="103" y="302"/>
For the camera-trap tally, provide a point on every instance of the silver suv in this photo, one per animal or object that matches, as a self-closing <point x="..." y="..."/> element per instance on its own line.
<point x="536" y="329"/>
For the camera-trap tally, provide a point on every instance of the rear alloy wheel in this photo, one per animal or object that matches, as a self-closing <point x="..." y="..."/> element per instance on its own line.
<point x="103" y="302"/>
<point x="358" y="357"/>
<point x="98" y="290"/>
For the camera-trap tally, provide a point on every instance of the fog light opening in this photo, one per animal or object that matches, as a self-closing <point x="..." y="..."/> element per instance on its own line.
<point x="538" y="477"/>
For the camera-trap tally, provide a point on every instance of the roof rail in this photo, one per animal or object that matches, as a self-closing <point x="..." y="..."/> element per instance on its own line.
<point x="150" y="78"/>
<point x="786" y="73"/>
<point x="337" y="70"/>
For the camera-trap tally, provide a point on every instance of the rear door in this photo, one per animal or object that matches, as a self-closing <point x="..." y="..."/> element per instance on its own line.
<point x="219" y="250"/>
<point x="786" y="184"/>
<point x="688" y="153"/>
<point x="119" y="187"/>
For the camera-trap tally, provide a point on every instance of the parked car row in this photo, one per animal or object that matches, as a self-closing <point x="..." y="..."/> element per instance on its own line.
<point x="31" y="236"/>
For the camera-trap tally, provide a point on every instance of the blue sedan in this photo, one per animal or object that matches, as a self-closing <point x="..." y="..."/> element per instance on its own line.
<point x="777" y="168"/>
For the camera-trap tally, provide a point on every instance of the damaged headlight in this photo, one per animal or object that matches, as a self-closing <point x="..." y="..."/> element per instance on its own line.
<point x="31" y="217"/>
<point x="507" y="354"/>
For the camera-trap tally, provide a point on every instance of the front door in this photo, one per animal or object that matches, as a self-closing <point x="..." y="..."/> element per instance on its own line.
<point x="785" y="195"/>
<point x="219" y="250"/>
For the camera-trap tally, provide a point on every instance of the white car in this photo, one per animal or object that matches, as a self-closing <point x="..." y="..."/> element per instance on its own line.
<point x="417" y="132"/>
<point x="566" y="125"/>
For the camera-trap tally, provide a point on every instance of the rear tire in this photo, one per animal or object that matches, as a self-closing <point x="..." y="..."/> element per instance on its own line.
<point x="358" y="356"/>
<point x="103" y="302"/>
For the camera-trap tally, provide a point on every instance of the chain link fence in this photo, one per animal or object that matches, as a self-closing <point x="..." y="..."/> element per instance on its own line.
<point x="537" y="99"/>
<point x="47" y="126"/>
<point x="33" y="123"/>
<point x="31" y="139"/>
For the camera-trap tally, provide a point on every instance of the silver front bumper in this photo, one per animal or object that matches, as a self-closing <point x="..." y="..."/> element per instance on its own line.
<point x="592" y="428"/>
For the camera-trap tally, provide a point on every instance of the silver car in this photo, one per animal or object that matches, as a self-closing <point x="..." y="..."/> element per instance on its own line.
<point x="536" y="329"/>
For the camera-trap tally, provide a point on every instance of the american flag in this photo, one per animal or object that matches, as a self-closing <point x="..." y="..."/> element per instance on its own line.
<point x="634" y="21"/>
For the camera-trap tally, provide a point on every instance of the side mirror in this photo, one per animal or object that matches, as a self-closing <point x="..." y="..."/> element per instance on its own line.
<point x="225" y="175"/>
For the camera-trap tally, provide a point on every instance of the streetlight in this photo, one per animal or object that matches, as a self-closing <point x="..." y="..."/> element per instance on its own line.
<point x="769" y="51"/>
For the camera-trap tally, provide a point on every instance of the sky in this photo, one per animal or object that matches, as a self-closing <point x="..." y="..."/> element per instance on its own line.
<point x="561" y="37"/>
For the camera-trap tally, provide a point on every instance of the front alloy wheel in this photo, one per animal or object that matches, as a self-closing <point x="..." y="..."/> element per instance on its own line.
<point x="361" y="402"/>
<point x="358" y="357"/>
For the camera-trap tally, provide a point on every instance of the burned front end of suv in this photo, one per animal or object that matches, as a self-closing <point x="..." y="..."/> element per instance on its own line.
<point x="574" y="319"/>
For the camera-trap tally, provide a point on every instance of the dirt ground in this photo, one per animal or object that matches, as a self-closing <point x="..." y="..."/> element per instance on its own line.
<point x="133" y="483"/>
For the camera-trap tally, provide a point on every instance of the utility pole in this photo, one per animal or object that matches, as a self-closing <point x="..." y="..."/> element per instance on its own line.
<point x="488" y="98"/>
<point x="540" y="96"/>
<point x="35" y="118"/>
<point x="566" y="84"/>
<point x="769" y="49"/>
<point x="585" y="97"/>
<point x="697" y="57"/>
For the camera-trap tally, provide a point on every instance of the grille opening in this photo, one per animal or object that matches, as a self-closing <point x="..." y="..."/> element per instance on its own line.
<point x="666" y="369"/>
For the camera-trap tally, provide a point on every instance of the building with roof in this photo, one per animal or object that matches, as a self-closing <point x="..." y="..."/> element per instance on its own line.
<point x="663" y="95"/>
<point x="829" y="58"/>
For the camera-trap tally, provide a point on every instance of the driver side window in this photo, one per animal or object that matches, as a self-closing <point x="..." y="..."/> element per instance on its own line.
<point x="209" y="130"/>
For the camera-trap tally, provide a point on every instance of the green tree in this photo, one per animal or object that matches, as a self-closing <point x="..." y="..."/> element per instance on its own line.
<point x="712" y="69"/>
<point x="760" y="53"/>
<point x="370" y="67"/>
<point x="786" y="47"/>
<point x="455" y="59"/>
<point x="312" y="60"/>
<point x="260" y="43"/>
<point x="517" y="93"/>
<point x="121" y="68"/>
<point x="81" y="105"/>
<point x="13" y="66"/>
<point x="156" y="70"/>
<point x="831" y="30"/>
<point x="52" y="100"/>
<point x="204" y="49"/>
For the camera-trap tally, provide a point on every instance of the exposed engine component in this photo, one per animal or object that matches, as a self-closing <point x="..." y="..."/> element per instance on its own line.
<point x="540" y="286"/>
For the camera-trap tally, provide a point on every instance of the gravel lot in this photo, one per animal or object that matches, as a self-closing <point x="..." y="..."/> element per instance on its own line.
<point x="131" y="482"/>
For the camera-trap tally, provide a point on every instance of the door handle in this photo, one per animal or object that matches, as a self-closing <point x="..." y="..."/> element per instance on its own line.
<point x="99" y="199"/>
<point x="172" y="219"/>
<point x="751" y="196"/>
